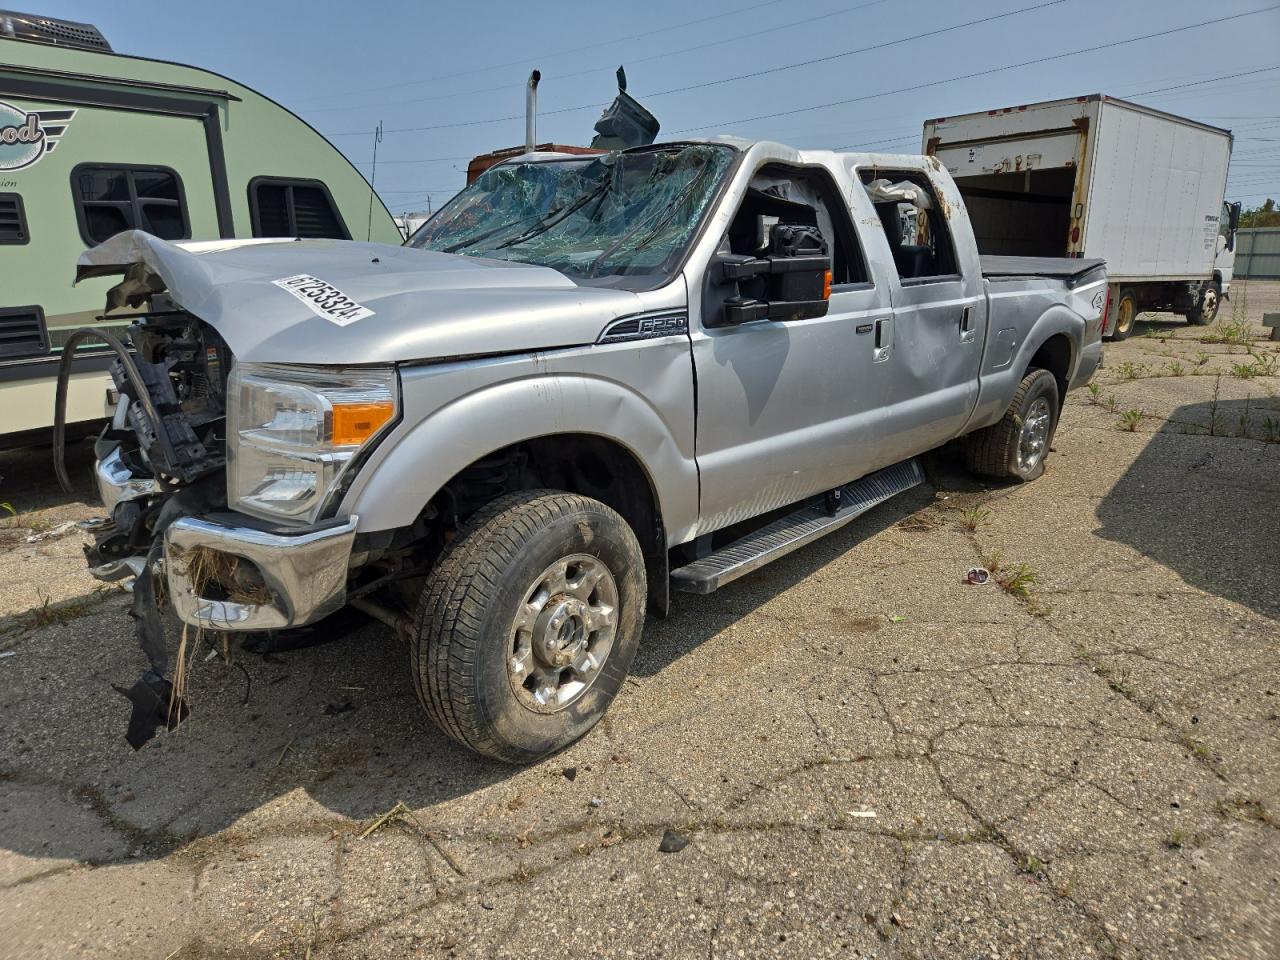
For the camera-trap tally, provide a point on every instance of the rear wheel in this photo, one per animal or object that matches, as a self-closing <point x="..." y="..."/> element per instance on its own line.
<point x="1126" y="315"/>
<point x="1016" y="447"/>
<point x="1207" y="311"/>
<point x="528" y="624"/>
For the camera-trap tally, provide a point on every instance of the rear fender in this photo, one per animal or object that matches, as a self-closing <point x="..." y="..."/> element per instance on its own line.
<point x="1000" y="378"/>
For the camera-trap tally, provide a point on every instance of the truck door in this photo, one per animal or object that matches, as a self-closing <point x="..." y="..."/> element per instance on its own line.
<point x="1224" y="261"/>
<point x="789" y="409"/>
<point x="939" y="313"/>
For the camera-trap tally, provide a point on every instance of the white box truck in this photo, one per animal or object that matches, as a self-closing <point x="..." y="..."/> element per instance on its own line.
<point x="1099" y="177"/>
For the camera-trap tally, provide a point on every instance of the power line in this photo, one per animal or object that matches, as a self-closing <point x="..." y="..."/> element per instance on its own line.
<point x="538" y="57"/>
<point x="874" y="143"/>
<point x="984" y="73"/>
<point x="744" y="76"/>
<point x="421" y="160"/>
<point x="1140" y="94"/>
<point x="1196" y="83"/>
<point x="632" y="61"/>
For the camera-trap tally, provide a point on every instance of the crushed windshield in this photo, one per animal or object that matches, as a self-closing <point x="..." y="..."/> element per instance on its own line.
<point x="619" y="215"/>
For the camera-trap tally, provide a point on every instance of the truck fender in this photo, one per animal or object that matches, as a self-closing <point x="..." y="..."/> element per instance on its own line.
<point x="1000" y="376"/>
<point x="394" y="487"/>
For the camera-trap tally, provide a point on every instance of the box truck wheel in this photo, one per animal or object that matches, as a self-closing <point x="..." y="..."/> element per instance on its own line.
<point x="1016" y="447"/>
<point x="1207" y="311"/>
<point x="528" y="624"/>
<point x="1126" y="308"/>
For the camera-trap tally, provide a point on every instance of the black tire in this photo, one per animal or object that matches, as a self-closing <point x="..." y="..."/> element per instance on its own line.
<point x="1206" y="311"/>
<point x="1126" y="313"/>
<point x="994" y="451"/>
<point x="465" y="621"/>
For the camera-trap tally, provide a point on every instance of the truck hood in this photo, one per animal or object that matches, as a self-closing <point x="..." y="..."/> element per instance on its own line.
<point x="409" y="304"/>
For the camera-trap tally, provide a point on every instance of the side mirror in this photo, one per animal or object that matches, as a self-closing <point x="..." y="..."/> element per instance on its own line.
<point x="792" y="282"/>
<point x="1233" y="218"/>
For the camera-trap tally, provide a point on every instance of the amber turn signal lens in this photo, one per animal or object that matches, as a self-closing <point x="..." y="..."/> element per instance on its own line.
<point x="826" y="285"/>
<point x="354" y="423"/>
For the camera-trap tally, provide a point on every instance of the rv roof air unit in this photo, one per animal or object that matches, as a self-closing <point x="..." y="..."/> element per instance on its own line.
<point x="51" y="30"/>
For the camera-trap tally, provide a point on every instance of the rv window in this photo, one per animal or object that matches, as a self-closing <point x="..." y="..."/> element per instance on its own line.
<point x="110" y="199"/>
<point x="294" y="208"/>
<point x="13" y="219"/>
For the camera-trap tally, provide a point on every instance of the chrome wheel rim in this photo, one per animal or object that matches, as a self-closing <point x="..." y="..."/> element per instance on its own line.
<point x="1033" y="439"/>
<point x="563" y="633"/>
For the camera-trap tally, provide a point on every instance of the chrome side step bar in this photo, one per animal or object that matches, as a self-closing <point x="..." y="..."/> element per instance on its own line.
<point x="793" y="531"/>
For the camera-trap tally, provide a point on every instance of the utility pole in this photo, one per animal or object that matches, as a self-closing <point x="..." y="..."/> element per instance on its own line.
<point x="373" y="178"/>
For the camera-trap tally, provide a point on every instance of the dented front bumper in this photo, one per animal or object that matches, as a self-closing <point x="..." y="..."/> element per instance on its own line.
<point x="301" y="576"/>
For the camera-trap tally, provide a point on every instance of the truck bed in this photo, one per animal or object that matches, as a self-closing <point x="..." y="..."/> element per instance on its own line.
<point x="1063" y="267"/>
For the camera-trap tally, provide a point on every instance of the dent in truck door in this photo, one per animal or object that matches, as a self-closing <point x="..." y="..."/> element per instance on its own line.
<point x="786" y="410"/>
<point x="939" y="319"/>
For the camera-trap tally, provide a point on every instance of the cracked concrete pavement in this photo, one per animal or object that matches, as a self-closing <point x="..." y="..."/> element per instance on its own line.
<point x="867" y="756"/>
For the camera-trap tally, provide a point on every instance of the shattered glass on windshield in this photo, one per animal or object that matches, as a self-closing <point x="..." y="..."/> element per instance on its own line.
<point x="629" y="214"/>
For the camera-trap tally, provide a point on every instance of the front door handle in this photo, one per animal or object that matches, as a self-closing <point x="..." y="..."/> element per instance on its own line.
<point x="884" y="339"/>
<point x="967" y="333"/>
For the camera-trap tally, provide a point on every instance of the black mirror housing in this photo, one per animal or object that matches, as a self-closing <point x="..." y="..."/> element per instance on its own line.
<point x="795" y="275"/>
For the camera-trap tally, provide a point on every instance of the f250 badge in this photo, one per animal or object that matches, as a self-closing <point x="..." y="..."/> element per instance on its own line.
<point x="26" y="137"/>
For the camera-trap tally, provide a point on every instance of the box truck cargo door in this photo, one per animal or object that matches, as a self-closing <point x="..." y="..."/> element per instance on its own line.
<point x="1046" y="151"/>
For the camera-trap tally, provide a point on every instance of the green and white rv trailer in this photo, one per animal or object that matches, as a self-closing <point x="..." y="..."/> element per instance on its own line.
<point x="93" y="142"/>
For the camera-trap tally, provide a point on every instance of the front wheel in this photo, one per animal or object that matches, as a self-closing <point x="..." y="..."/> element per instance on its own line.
<point x="1207" y="310"/>
<point x="1016" y="447"/>
<point x="528" y="624"/>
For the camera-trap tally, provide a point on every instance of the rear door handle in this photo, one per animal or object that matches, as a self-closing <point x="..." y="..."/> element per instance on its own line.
<point x="884" y="339"/>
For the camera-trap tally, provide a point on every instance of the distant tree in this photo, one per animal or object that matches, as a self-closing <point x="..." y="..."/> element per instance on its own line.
<point x="1264" y="216"/>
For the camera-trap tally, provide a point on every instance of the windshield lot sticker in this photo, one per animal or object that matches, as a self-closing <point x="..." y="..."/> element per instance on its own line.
<point x="324" y="299"/>
<point x="26" y="137"/>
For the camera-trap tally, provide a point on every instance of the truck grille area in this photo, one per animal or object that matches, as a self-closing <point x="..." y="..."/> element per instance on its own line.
<point x="183" y="364"/>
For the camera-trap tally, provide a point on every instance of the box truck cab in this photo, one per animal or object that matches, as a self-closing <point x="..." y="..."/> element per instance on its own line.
<point x="93" y="143"/>
<point x="1099" y="177"/>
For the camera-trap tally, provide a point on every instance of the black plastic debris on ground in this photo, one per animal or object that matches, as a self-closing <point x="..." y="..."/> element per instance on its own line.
<point x="672" y="842"/>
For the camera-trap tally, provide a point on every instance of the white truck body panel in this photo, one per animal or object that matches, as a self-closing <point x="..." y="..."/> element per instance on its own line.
<point x="1137" y="187"/>
<point x="1155" y="194"/>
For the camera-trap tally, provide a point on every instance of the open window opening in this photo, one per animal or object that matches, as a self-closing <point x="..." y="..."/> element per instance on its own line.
<point x="801" y="197"/>
<point x="913" y="223"/>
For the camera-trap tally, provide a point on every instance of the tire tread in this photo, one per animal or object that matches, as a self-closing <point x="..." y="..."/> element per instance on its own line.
<point x="989" y="450"/>
<point x="448" y="621"/>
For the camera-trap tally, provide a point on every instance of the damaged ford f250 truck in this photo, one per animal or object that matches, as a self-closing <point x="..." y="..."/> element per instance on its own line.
<point x="585" y="382"/>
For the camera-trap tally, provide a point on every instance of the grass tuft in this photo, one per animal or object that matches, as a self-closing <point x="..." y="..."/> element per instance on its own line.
<point x="1130" y="419"/>
<point x="974" y="517"/>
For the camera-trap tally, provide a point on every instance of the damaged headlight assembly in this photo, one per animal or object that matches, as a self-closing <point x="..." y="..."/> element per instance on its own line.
<point x="293" y="431"/>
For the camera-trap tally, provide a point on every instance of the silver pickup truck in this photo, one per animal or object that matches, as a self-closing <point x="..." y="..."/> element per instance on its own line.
<point x="585" y="382"/>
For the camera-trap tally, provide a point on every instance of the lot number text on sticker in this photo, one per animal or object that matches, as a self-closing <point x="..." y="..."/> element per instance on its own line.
<point x="324" y="299"/>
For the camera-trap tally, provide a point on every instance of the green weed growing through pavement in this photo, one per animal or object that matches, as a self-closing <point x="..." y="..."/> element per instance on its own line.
<point x="974" y="517"/>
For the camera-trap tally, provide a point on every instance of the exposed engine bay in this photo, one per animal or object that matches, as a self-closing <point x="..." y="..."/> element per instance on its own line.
<point x="162" y="462"/>
<point x="168" y="428"/>
<point x="168" y="437"/>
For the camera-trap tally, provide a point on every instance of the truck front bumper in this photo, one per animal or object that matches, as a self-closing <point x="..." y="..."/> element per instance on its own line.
<point x="303" y="575"/>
